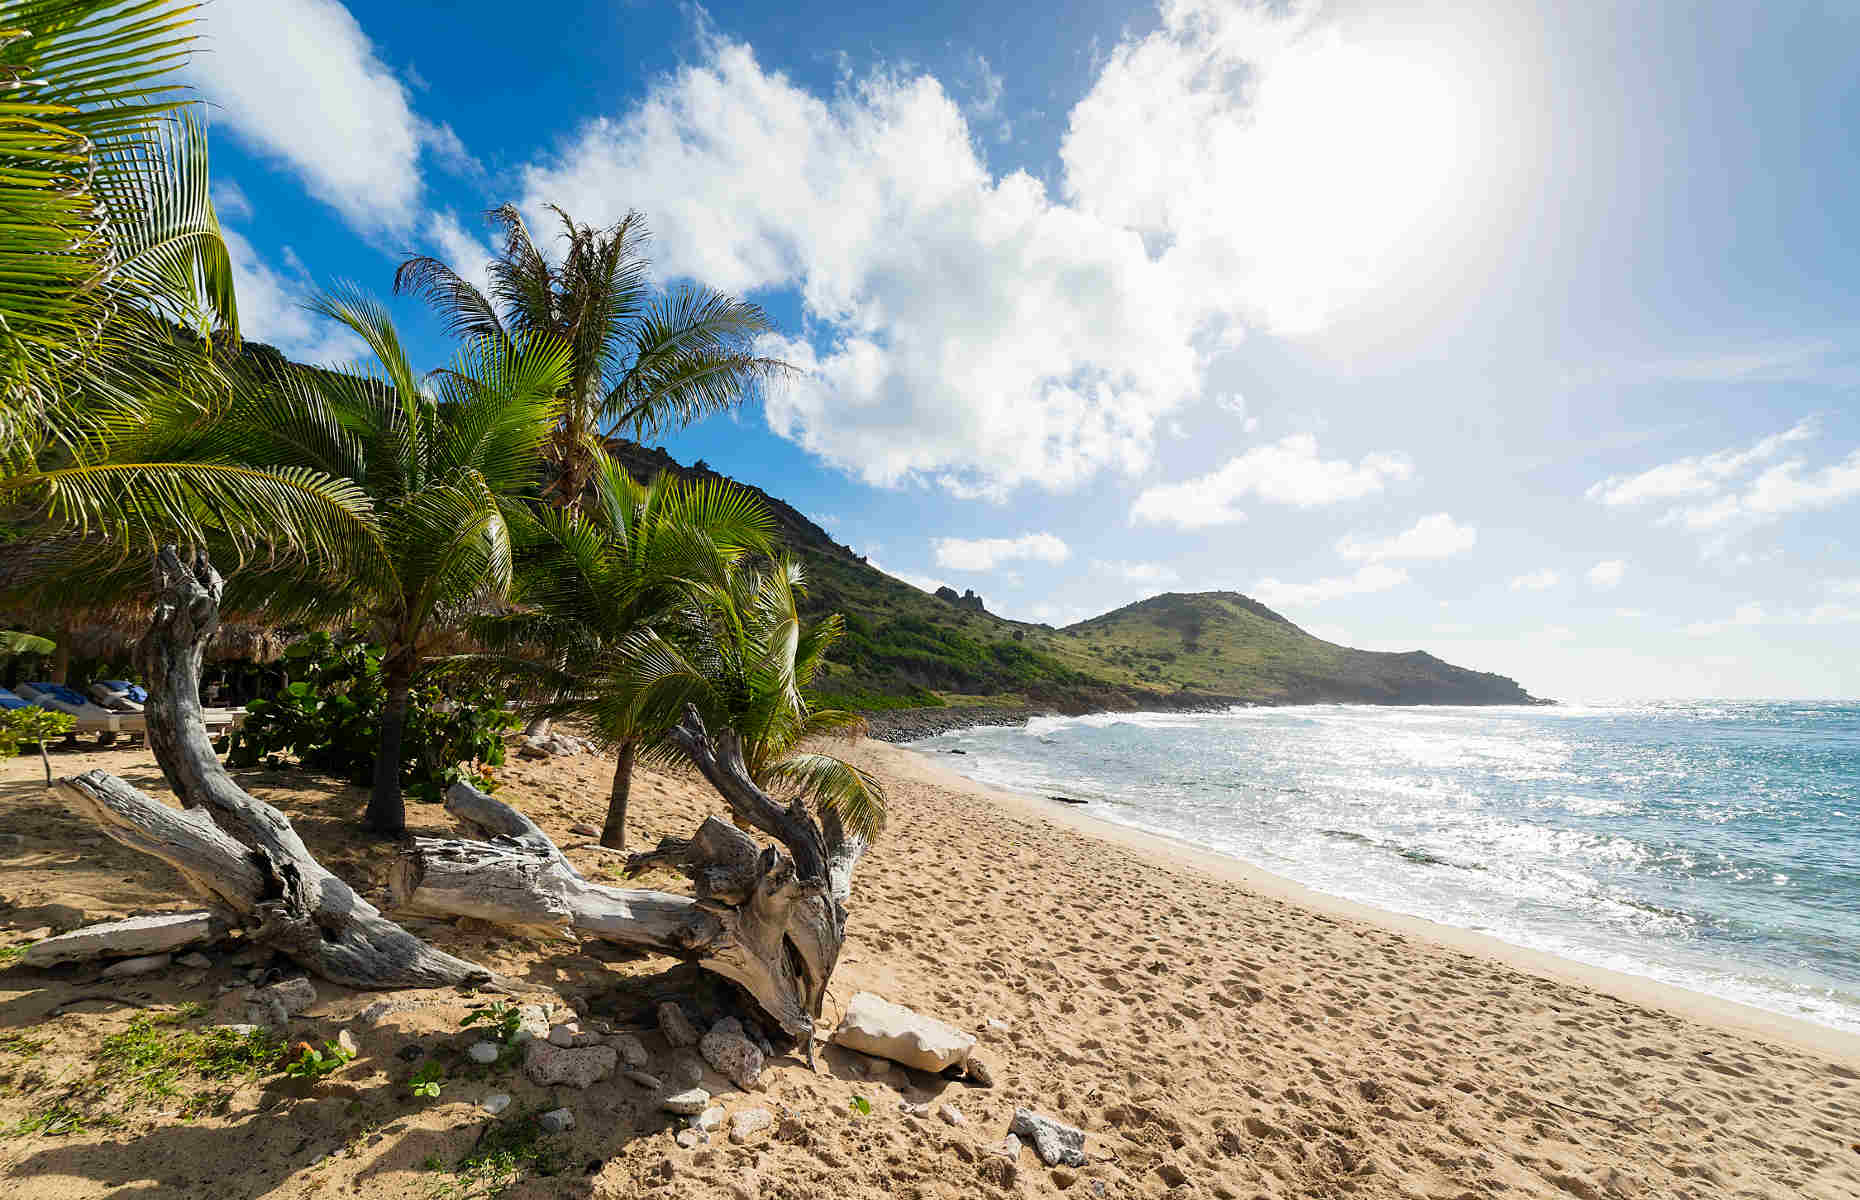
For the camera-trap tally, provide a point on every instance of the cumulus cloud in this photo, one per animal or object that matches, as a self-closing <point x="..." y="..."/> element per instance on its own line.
<point x="1536" y="581"/>
<point x="984" y="554"/>
<point x="1288" y="471"/>
<point x="1371" y="577"/>
<point x="298" y="80"/>
<point x="1606" y="576"/>
<point x="971" y="331"/>
<point x="1436" y="536"/>
<point x="271" y="309"/>
<point x="1148" y="574"/>
<point x="1698" y="475"/>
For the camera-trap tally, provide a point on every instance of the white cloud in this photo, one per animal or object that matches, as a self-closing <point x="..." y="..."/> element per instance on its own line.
<point x="1436" y="536"/>
<point x="1695" y="476"/>
<point x="972" y="331"/>
<point x="1536" y="581"/>
<point x="460" y="250"/>
<point x="299" y="80"/>
<point x="1751" y="615"/>
<point x="1371" y="577"/>
<point x="984" y="554"/>
<point x="271" y="310"/>
<point x="1606" y="576"/>
<point x="1144" y="573"/>
<point x="230" y="202"/>
<point x="923" y="583"/>
<point x="1285" y="472"/>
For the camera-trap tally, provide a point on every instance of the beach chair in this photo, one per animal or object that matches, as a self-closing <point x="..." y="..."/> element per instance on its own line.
<point x="59" y="698"/>
<point x="119" y="695"/>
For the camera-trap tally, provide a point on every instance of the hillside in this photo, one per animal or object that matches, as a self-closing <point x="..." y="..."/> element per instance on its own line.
<point x="906" y="647"/>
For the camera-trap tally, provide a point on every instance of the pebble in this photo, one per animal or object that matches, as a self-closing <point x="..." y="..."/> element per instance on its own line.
<point x="709" y="1119"/>
<point x="584" y="831"/>
<point x="496" y="1103"/>
<point x="1057" y="1143"/>
<point x="676" y="1027"/>
<point x="556" y="1120"/>
<point x="348" y="1044"/>
<point x="689" y="1102"/>
<point x="651" y="1083"/>
<point x="1063" y="1177"/>
<point x="196" y="960"/>
<point x="691" y="1139"/>
<point x="733" y="1054"/>
<point x="951" y="1115"/>
<point x="1010" y="1147"/>
<point x="913" y="1110"/>
<point x="978" y="1072"/>
<point x="564" y="1035"/>
<point x="483" y="1052"/>
<point x="632" y="1050"/>
<point x="749" y="1122"/>
<point x="550" y="1065"/>
<point x="144" y="965"/>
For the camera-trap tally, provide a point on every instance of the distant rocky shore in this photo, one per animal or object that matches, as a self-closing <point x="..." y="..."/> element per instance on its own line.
<point x="914" y="724"/>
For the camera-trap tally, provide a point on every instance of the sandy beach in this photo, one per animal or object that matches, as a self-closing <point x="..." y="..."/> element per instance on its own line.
<point x="1215" y="1030"/>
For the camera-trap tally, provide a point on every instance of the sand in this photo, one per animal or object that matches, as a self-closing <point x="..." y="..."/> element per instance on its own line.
<point x="1217" y="1032"/>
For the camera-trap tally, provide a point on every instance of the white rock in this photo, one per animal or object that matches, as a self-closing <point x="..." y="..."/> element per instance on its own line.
<point x="483" y="1052"/>
<point x="913" y="1110"/>
<point x="532" y="1022"/>
<point x="691" y="1139"/>
<point x="751" y="1121"/>
<point x="584" y="831"/>
<point x="564" y="1035"/>
<point x="496" y="1103"/>
<point x="556" y="1120"/>
<point x="549" y="1065"/>
<point x="1009" y="1148"/>
<point x="709" y="1119"/>
<point x="873" y="1025"/>
<point x="143" y="965"/>
<point x="951" y="1115"/>
<point x="1057" y="1144"/>
<point x="347" y="1043"/>
<point x="689" y="1102"/>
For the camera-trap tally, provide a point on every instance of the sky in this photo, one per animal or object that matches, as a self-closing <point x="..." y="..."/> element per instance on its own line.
<point x="1525" y="334"/>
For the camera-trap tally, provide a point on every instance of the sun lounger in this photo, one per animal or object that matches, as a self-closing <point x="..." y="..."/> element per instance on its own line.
<point x="119" y="695"/>
<point x="59" y="698"/>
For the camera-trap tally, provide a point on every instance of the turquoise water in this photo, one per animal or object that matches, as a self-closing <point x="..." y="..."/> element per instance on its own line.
<point x="1714" y="845"/>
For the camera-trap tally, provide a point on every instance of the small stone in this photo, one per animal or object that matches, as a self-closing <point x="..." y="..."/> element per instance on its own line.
<point x="144" y="965"/>
<point x="733" y="1055"/>
<point x="997" y="1025"/>
<point x="1064" y="1177"/>
<point x="676" y="1027"/>
<point x="691" y="1139"/>
<point x="1171" y="1175"/>
<point x="556" y="1120"/>
<point x="1009" y="1147"/>
<point x="410" y="1052"/>
<point x="550" y="1065"/>
<point x="584" y="830"/>
<point x="749" y="1122"/>
<point x="1057" y="1143"/>
<point x="346" y="1041"/>
<point x="496" y="1103"/>
<point x="631" y="1050"/>
<point x="978" y="1072"/>
<point x="532" y="1022"/>
<point x="651" y="1083"/>
<point x="296" y="995"/>
<point x="484" y="1053"/>
<point x="688" y="1103"/>
<point x="1097" y="1187"/>
<point x="687" y="1070"/>
<point x="196" y="960"/>
<point x="951" y="1115"/>
<point x="564" y="1035"/>
<point x="913" y="1110"/>
<point x="709" y="1119"/>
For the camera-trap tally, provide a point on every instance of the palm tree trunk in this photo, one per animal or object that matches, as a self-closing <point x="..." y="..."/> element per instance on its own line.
<point x="387" y="810"/>
<point x="613" y="833"/>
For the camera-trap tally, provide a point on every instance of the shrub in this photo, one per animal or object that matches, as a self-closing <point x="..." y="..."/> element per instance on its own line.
<point x="329" y="717"/>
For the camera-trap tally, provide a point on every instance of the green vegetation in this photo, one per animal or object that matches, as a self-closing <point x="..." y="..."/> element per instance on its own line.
<point x="32" y="726"/>
<point x="503" y="1021"/>
<point x="506" y="1152"/>
<point x="427" y="1081"/>
<point x="314" y="1064"/>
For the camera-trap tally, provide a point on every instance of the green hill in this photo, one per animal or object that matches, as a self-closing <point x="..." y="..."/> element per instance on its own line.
<point x="906" y="647"/>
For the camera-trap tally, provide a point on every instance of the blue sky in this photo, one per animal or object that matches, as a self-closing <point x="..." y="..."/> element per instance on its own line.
<point x="1527" y="335"/>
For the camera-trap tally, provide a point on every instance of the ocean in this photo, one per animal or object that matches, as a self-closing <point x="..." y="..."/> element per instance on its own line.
<point x="1710" y="844"/>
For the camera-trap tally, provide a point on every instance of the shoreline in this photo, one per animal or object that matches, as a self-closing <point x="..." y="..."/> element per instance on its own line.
<point x="1175" y="853"/>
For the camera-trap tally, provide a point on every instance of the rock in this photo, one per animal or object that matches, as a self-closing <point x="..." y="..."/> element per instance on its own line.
<point x="1063" y="1177"/>
<point x="384" y="1008"/>
<point x="688" y="1103"/>
<point x="751" y="1121"/>
<point x="631" y="1050"/>
<point x="346" y="1041"/>
<point x="747" y="1186"/>
<point x="532" y="1022"/>
<point x="584" y="831"/>
<point x="732" y="1054"/>
<point x="556" y="1120"/>
<point x="676" y="1027"/>
<point x="1171" y="1175"/>
<point x="564" y="1035"/>
<point x="687" y="1070"/>
<point x="913" y="1110"/>
<point x="1057" y="1144"/>
<point x="874" y="1025"/>
<point x="997" y="1025"/>
<point x="951" y="1115"/>
<point x="496" y="1103"/>
<point x="196" y="960"/>
<point x="142" y="965"/>
<point x="651" y="1083"/>
<point x="161" y="933"/>
<point x="483" y="1052"/>
<point x="691" y="1139"/>
<point x="295" y="995"/>
<point x="410" y="1052"/>
<point x="709" y="1119"/>
<point x="1009" y="1148"/>
<point x="978" y="1072"/>
<point x="550" y="1065"/>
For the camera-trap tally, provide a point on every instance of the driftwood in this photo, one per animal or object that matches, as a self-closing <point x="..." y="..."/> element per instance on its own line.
<point x="260" y="876"/>
<point x="131" y="938"/>
<point x="770" y="918"/>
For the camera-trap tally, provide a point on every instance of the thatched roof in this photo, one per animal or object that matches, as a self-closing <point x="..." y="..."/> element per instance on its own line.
<point x="233" y="643"/>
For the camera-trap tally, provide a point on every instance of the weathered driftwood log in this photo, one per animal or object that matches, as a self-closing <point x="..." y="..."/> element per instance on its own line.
<point x="134" y="937"/>
<point x="760" y="917"/>
<point x="260" y="875"/>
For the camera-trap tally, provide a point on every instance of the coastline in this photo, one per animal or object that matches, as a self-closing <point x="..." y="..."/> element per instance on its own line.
<point x="1701" y="1007"/>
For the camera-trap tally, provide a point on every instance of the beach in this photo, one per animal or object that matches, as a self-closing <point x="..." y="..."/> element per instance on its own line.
<point x="1215" y="1031"/>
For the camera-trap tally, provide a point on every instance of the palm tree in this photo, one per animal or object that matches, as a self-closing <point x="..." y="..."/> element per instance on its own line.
<point x="739" y="659"/>
<point x="642" y="360"/>
<point x="116" y="293"/>
<point x="445" y="472"/>
<point x="593" y="578"/>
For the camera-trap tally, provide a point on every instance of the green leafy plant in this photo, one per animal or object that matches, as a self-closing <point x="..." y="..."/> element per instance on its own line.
<point x="505" y="1152"/>
<point x="329" y="718"/>
<point x="428" y="1080"/>
<point x="29" y="726"/>
<point x="314" y="1064"/>
<point x="861" y="1105"/>
<point x="504" y="1020"/>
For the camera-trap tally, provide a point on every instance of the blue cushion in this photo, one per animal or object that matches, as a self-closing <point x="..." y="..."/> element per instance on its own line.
<point x="59" y="691"/>
<point x="9" y="700"/>
<point x="134" y="691"/>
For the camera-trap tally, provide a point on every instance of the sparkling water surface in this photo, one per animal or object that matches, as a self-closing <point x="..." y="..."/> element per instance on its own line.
<point x="1710" y="844"/>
